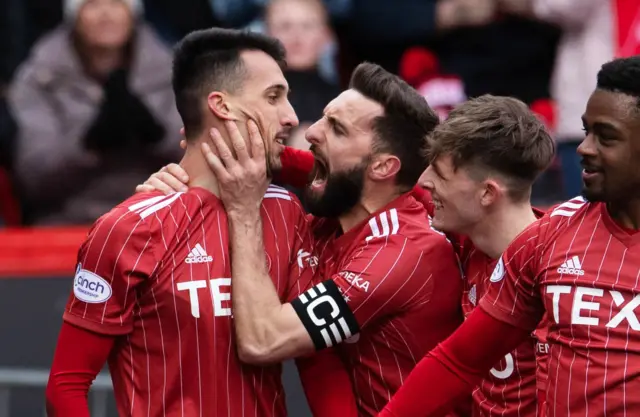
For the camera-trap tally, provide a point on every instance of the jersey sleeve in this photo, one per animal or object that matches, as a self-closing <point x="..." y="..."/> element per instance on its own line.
<point x="384" y="275"/>
<point x="513" y="294"/>
<point x="114" y="260"/>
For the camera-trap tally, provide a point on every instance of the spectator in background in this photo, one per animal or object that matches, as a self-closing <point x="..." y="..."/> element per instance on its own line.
<point x="593" y="32"/>
<point x="302" y="26"/>
<point x="95" y="112"/>
<point x="420" y="68"/>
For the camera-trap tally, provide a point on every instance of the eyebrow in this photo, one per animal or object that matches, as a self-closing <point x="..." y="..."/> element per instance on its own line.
<point x="600" y="125"/>
<point x="278" y="87"/>
<point x="336" y="123"/>
<point x="437" y="170"/>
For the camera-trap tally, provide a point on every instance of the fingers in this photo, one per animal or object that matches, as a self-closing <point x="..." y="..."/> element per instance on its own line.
<point x="144" y="188"/>
<point x="178" y="172"/>
<point x="237" y="141"/>
<point x="224" y="153"/>
<point x="166" y="183"/>
<point x="257" y="143"/>
<point x="215" y="163"/>
<point x="183" y="144"/>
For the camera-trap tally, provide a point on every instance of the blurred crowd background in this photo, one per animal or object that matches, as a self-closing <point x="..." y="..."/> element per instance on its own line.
<point x="86" y="107"/>
<point x="87" y="112"/>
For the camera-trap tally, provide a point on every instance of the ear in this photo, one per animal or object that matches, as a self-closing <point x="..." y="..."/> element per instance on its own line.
<point x="491" y="192"/>
<point x="384" y="167"/>
<point x="218" y="104"/>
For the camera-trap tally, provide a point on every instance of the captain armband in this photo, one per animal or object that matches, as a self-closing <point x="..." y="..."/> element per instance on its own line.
<point x="326" y="315"/>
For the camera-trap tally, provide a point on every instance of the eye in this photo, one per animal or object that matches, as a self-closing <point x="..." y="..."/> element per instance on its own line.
<point x="337" y="130"/>
<point x="585" y="130"/>
<point x="272" y="99"/>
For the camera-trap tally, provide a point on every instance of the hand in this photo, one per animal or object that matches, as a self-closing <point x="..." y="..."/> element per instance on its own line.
<point x="518" y="7"/>
<point x="243" y="181"/>
<point x="170" y="179"/>
<point x="458" y="13"/>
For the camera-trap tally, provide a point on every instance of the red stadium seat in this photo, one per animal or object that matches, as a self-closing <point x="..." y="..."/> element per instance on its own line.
<point x="40" y="252"/>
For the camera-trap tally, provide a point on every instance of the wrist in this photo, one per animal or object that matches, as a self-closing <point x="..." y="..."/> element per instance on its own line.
<point x="244" y="217"/>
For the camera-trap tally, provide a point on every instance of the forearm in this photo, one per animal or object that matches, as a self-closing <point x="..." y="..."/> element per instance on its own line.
<point x="327" y="385"/>
<point x="564" y="13"/>
<point x="79" y="357"/>
<point x="452" y="369"/>
<point x="255" y="301"/>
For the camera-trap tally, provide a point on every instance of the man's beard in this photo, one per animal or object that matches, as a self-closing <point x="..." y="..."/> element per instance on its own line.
<point x="342" y="192"/>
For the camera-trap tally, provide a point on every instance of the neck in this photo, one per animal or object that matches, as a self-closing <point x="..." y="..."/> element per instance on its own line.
<point x="372" y="200"/>
<point x="493" y="234"/>
<point x="194" y="163"/>
<point x="99" y="62"/>
<point x="626" y="214"/>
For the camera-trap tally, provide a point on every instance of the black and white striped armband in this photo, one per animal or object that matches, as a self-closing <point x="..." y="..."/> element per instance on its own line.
<point x="326" y="315"/>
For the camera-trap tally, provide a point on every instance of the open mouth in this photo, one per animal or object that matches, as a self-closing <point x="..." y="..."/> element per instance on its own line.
<point x="320" y="173"/>
<point x="281" y="139"/>
<point x="590" y="171"/>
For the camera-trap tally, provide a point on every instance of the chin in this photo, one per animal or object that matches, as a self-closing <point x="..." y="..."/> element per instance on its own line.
<point x="275" y="165"/>
<point x="593" y="195"/>
<point x="441" y="225"/>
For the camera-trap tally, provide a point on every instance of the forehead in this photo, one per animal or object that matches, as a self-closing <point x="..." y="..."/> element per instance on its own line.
<point x="354" y="109"/>
<point x="443" y="165"/>
<point x="616" y="109"/>
<point x="262" y="70"/>
<point x="287" y="10"/>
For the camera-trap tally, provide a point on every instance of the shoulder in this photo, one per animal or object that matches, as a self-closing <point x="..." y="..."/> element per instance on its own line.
<point x="50" y="58"/>
<point x="407" y="220"/>
<point x="155" y="208"/>
<point x="562" y="217"/>
<point x="282" y="201"/>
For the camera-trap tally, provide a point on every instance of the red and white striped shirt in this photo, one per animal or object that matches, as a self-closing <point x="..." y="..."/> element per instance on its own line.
<point x="155" y="271"/>
<point x="509" y="390"/>
<point x="583" y="269"/>
<point x="402" y="282"/>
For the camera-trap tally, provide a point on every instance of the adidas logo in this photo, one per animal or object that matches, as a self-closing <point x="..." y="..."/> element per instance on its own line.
<point x="473" y="295"/>
<point x="198" y="256"/>
<point x="571" y="267"/>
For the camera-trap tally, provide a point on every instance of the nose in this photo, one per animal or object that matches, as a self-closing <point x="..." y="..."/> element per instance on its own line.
<point x="425" y="179"/>
<point x="313" y="135"/>
<point x="587" y="147"/>
<point x="289" y="117"/>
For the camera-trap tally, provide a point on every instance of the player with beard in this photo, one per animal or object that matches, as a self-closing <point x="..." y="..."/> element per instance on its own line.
<point x="152" y="288"/>
<point x="580" y="264"/>
<point x="483" y="161"/>
<point x="388" y="287"/>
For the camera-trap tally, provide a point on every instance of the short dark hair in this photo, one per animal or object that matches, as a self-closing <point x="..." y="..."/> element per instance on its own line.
<point x="496" y="134"/>
<point x="208" y="60"/>
<point x="407" y="120"/>
<point x="621" y="75"/>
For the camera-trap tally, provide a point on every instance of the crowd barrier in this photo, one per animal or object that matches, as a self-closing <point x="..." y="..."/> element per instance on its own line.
<point x="36" y="272"/>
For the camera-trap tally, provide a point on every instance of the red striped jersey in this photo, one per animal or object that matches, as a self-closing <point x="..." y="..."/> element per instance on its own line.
<point x="155" y="273"/>
<point x="581" y="268"/>
<point x="402" y="283"/>
<point x="510" y="388"/>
